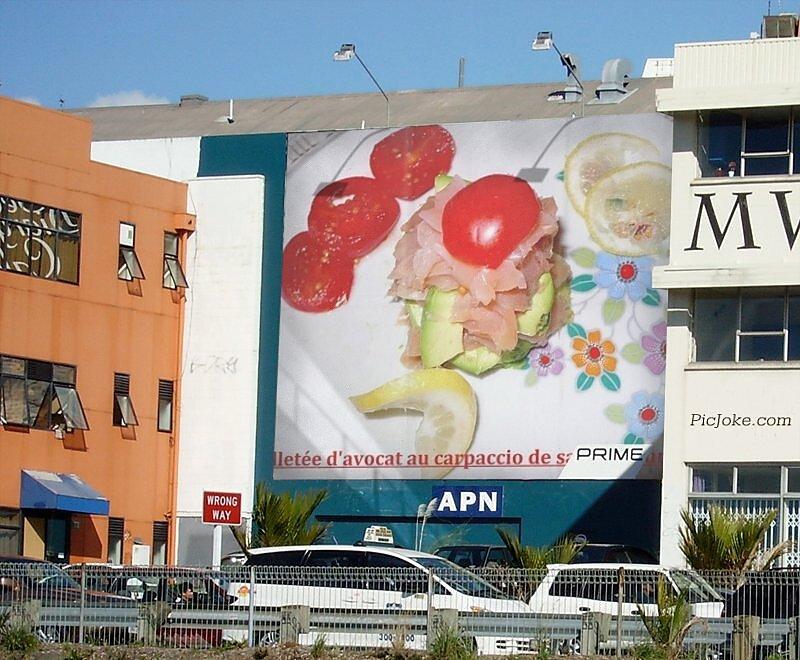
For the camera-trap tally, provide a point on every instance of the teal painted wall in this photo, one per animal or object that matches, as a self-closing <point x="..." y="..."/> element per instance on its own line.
<point x="606" y="511"/>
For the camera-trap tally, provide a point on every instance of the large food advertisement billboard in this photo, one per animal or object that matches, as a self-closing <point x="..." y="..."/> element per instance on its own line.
<point x="474" y="301"/>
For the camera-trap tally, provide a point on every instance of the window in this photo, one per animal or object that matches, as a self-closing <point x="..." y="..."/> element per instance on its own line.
<point x="116" y="534"/>
<point x="290" y="558"/>
<point x="165" y="394"/>
<point x="124" y="414"/>
<point x="129" y="268"/>
<point x="747" y="325"/>
<point x="749" y="143"/>
<point x="160" y="536"/>
<point x="173" y="273"/>
<point x="39" y="395"/>
<point x="39" y="241"/>
<point x="712" y="479"/>
<point x="10" y="532"/>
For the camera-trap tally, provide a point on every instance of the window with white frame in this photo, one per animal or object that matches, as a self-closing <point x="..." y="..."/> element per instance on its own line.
<point x="128" y="266"/>
<point x="174" y="277"/>
<point x="39" y="394"/>
<point x="747" y="325"/>
<point x="749" y="142"/>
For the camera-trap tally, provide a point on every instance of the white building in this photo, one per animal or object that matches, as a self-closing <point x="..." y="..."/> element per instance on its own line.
<point x="732" y="433"/>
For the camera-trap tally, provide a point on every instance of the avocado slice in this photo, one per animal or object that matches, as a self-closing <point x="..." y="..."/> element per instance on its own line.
<point x="414" y="311"/>
<point x="441" y="182"/>
<point x="441" y="339"/>
<point x="537" y="318"/>
<point x="476" y="360"/>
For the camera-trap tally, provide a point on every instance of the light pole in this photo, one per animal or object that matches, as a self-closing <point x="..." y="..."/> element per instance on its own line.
<point x="544" y="41"/>
<point x="348" y="52"/>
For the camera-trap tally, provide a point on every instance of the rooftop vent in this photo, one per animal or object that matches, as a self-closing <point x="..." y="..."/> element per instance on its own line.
<point x="190" y="100"/>
<point x="616" y="76"/>
<point x="782" y="25"/>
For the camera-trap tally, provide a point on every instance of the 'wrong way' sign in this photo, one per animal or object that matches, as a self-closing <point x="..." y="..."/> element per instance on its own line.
<point x="222" y="508"/>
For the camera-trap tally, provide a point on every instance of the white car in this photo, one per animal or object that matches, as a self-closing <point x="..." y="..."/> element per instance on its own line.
<point x="323" y="578"/>
<point x="573" y="589"/>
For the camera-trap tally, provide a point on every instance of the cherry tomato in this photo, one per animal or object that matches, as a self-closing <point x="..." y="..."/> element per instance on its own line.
<point x="484" y="222"/>
<point x="317" y="277"/>
<point x="408" y="161"/>
<point x="358" y="211"/>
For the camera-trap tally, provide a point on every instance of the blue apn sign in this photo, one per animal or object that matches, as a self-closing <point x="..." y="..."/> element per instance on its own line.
<point x="469" y="501"/>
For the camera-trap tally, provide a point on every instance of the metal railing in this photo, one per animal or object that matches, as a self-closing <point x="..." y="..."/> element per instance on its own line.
<point x="565" y="610"/>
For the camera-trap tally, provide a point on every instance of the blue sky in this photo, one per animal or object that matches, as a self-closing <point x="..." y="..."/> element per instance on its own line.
<point x="117" y="51"/>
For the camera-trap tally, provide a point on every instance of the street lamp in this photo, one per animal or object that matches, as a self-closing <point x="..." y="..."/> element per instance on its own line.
<point x="348" y="52"/>
<point x="544" y="41"/>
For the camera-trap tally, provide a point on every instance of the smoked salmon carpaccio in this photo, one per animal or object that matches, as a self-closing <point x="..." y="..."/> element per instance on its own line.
<point x="489" y="298"/>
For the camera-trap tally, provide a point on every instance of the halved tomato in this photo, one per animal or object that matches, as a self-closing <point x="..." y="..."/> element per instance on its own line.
<point x="357" y="212"/>
<point x="408" y="161"/>
<point x="484" y="222"/>
<point x="317" y="276"/>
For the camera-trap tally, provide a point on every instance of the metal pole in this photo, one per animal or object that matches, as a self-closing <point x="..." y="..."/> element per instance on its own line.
<point x="216" y="550"/>
<point x="378" y="85"/>
<point x="620" y="588"/>
<point x="461" y="62"/>
<point x="83" y="603"/>
<point x="251" y="608"/>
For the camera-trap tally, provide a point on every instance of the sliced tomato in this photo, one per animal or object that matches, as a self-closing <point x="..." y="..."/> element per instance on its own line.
<point x="484" y="222"/>
<point x="317" y="277"/>
<point x="357" y="211"/>
<point x="408" y="161"/>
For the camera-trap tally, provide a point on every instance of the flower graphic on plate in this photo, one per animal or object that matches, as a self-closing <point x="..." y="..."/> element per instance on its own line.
<point x="594" y="354"/>
<point x="645" y="415"/>
<point x="547" y="360"/>
<point x="656" y="346"/>
<point x="624" y="275"/>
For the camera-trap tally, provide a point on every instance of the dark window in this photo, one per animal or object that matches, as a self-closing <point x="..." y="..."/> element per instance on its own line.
<point x="124" y="414"/>
<point x="397" y="574"/>
<point x="335" y="559"/>
<point x="160" y="537"/>
<point x="641" y="587"/>
<point x="39" y="241"/>
<point x="165" y="395"/>
<point x="568" y="583"/>
<point x="602" y="585"/>
<point x="174" y="277"/>
<point x="39" y="395"/>
<point x="128" y="266"/>
<point x="116" y="534"/>
<point x="291" y="558"/>
<point x="793" y="485"/>
<point x="747" y="325"/>
<point x="749" y="143"/>
<point x="712" y="479"/>
<point x="758" y="479"/>
<point x="10" y="532"/>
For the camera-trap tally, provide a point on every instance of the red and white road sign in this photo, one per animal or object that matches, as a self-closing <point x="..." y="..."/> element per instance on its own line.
<point x="222" y="508"/>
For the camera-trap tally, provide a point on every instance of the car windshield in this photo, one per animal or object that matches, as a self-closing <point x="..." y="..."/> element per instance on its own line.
<point x="50" y="576"/>
<point x="459" y="579"/>
<point x="590" y="554"/>
<point x="697" y="589"/>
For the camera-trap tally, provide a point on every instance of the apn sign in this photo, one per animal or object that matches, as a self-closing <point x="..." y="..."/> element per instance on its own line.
<point x="222" y="508"/>
<point x="469" y="501"/>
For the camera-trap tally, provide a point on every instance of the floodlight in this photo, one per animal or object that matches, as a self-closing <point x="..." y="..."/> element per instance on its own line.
<point x="348" y="52"/>
<point x="345" y="53"/>
<point x="543" y="41"/>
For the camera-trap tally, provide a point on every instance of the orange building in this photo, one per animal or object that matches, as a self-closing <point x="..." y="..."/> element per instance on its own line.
<point x="91" y="312"/>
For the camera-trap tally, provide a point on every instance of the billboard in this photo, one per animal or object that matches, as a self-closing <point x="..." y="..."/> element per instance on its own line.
<point x="474" y="301"/>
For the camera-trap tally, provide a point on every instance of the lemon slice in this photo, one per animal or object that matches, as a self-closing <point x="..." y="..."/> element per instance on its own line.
<point x="449" y="412"/>
<point x="596" y="156"/>
<point x="627" y="212"/>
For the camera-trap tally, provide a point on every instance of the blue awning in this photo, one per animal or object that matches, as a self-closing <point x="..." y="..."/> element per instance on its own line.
<point x="60" y="492"/>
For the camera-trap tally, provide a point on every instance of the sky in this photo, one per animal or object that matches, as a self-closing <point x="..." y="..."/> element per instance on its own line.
<point x="125" y="52"/>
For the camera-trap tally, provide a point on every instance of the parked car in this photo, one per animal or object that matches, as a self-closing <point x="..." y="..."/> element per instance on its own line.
<point x="329" y="579"/>
<point x="26" y="579"/>
<point x="613" y="553"/>
<point x="572" y="589"/>
<point x="476" y="556"/>
<point x="772" y="594"/>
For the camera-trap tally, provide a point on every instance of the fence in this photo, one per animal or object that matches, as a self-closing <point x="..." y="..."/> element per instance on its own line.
<point x="565" y="610"/>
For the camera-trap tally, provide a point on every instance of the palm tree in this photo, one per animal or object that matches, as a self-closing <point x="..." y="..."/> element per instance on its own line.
<point x="282" y="519"/>
<point x="728" y="541"/>
<point x="563" y="551"/>
<point x="673" y="621"/>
